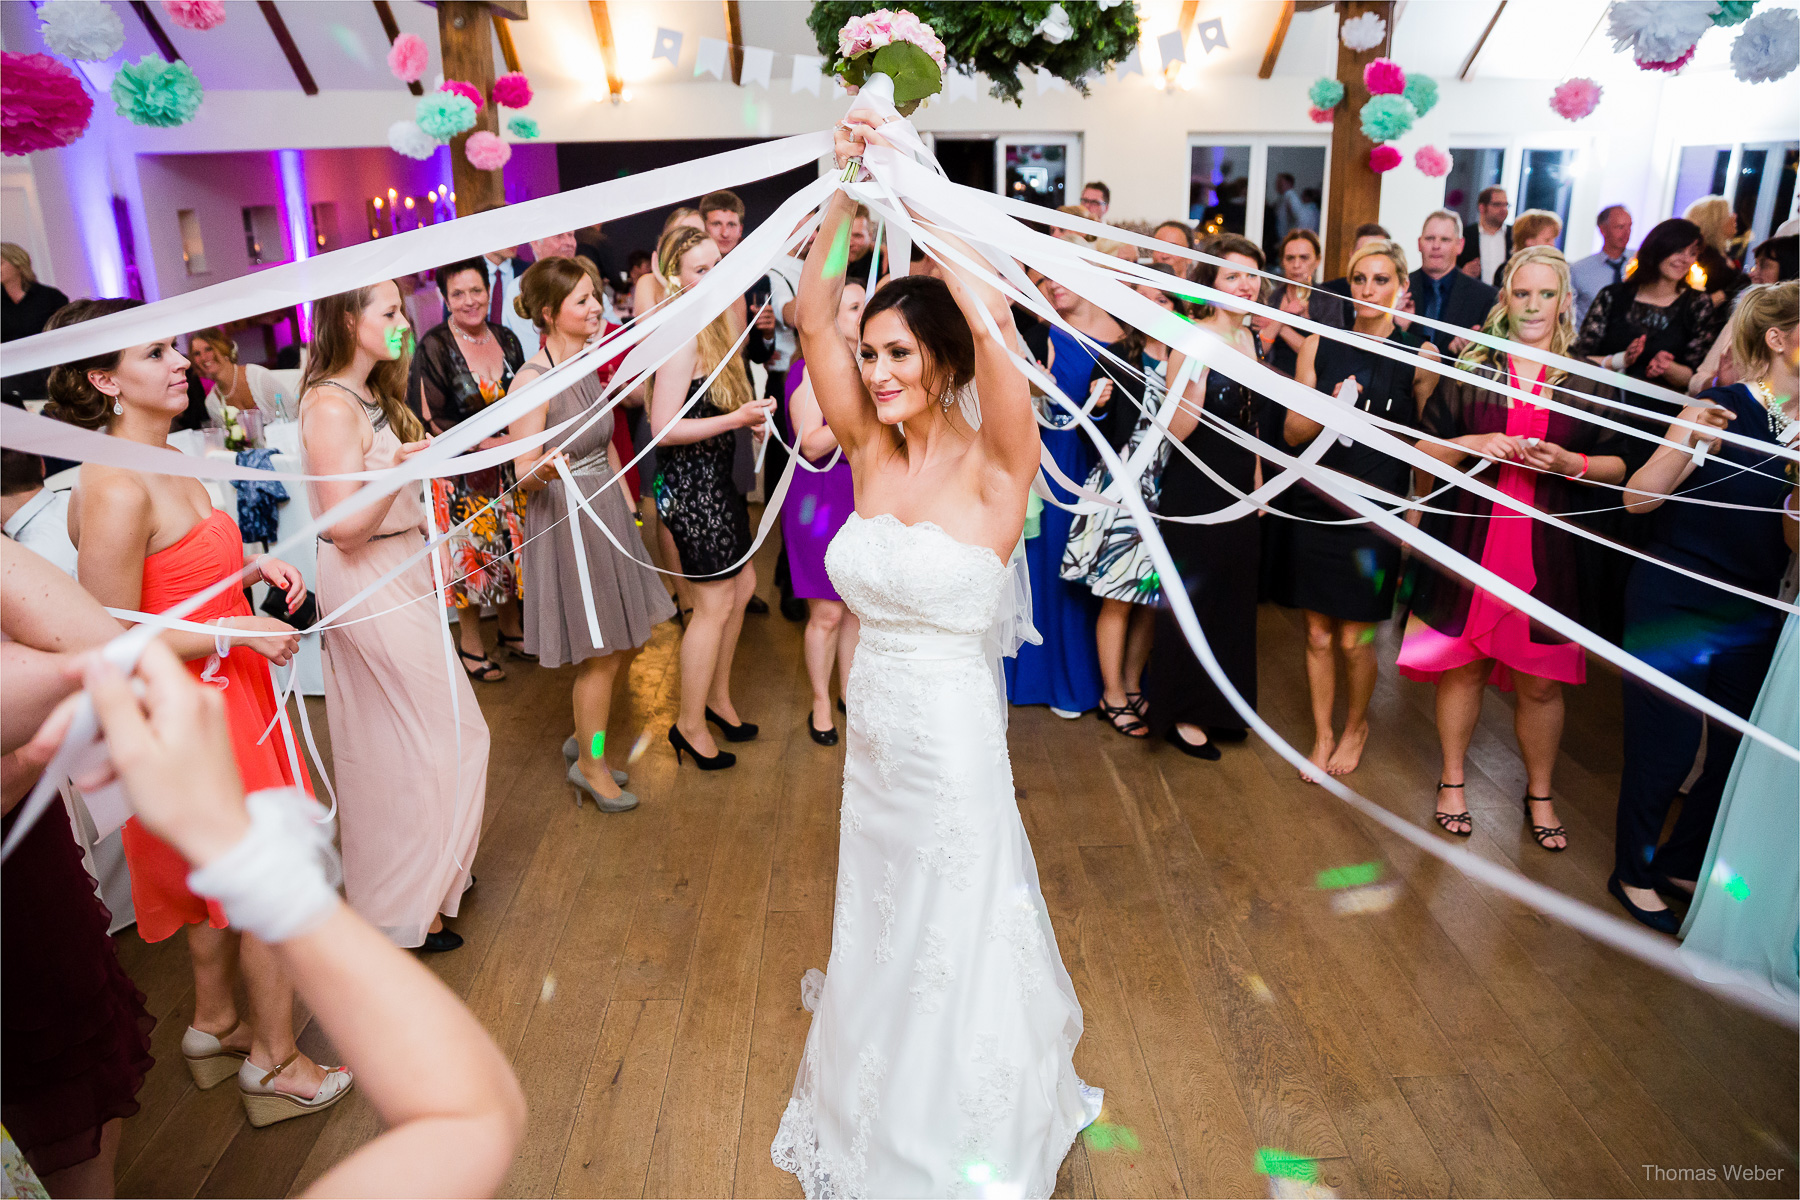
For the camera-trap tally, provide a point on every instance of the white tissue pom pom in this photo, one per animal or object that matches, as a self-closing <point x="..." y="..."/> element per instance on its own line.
<point x="405" y="137"/>
<point x="1658" y="30"/>
<point x="84" y="29"/>
<point x="1769" y="46"/>
<point x="1363" y="32"/>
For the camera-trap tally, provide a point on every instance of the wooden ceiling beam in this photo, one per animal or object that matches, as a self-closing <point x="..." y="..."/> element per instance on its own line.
<point x="503" y="35"/>
<point x="154" y="28"/>
<point x="734" y="39"/>
<point x="609" y="52"/>
<point x="391" y="27"/>
<point x="1475" y="52"/>
<point x="1275" y="39"/>
<point x="279" y="28"/>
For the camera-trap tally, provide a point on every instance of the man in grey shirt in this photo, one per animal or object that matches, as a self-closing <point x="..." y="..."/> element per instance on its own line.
<point x="1606" y="267"/>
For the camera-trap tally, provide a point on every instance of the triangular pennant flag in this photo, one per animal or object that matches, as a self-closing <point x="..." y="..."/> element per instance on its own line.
<point x="1047" y="82"/>
<point x="668" y="45"/>
<point x="806" y="73"/>
<point x="757" y="63"/>
<point x="710" y="58"/>
<point x="1212" y="35"/>
<point x="1169" y="45"/>
<point x="1131" y="65"/>
<point x="958" y="86"/>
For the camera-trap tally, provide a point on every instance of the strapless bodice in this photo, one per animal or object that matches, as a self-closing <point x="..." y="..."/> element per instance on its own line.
<point x="915" y="581"/>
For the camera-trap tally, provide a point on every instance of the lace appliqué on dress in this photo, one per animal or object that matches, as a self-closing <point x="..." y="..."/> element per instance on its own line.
<point x="985" y="1104"/>
<point x="935" y="972"/>
<point x="796" y="1147"/>
<point x="1020" y="928"/>
<point x="884" y="904"/>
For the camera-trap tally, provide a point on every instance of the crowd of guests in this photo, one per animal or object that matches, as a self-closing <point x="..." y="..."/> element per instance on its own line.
<point x="579" y="558"/>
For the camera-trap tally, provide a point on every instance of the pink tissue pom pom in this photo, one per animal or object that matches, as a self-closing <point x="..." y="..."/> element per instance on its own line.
<point x="1673" y="65"/>
<point x="486" y="152"/>
<point x="512" y="91"/>
<point x="1320" y="116"/>
<point x="466" y="90"/>
<point x="195" y="14"/>
<point x="1432" y="161"/>
<point x="1575" y="99"/>
<point x="42" y="105"/>
<point x="1383" y="77"/>
<point x="409" y="57"/>
<point x="1383" y="159"/>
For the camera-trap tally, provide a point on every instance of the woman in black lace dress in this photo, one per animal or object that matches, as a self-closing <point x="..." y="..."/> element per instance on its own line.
<point x="700" y="505"/>
<point x="1652" y="325"/>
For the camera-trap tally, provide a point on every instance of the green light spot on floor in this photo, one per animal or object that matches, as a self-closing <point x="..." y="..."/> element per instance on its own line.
<point x="1356" y="875"/>
<point x="598" y="746"/>
<point x="1270" y="1161"/>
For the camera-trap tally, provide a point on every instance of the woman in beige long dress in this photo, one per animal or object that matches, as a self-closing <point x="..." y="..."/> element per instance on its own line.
<point x="558" y="295"/>
<point x="409" y="745"/>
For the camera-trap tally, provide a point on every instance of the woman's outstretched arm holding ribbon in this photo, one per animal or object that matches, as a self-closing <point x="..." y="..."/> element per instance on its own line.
<point x="830" y="366"/>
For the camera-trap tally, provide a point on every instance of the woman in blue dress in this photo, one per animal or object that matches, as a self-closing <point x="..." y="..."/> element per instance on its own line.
<point x="1064" y="671"/>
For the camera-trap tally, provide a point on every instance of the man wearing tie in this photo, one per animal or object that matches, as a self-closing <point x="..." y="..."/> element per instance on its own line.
<point x="1607" y="267"/>
<point x="1440" y="291"/>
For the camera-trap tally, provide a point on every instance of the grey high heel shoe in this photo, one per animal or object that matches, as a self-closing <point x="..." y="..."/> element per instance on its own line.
<point x="623" y="802"/>
<point x="572" y="752"/>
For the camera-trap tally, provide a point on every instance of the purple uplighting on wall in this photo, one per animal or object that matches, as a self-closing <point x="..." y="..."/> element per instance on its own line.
<point x="295" y="212"/>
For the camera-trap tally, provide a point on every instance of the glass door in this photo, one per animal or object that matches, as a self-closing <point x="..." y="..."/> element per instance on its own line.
<point x="1258" y="187"/>
<point x="1042" y="169"/>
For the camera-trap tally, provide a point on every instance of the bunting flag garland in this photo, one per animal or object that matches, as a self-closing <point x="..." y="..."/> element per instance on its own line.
<point x="807" y="73"/>
<point x="668" y="45"/>
<point x="757" y="64"/>
<point x="709" y="58"/>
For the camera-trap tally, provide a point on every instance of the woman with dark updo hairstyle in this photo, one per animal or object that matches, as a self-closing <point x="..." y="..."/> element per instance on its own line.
<point x="145" y="543"/>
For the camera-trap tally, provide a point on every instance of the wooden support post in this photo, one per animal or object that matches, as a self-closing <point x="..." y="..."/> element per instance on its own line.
<point x="1355" y="190"/>
<point x="503" y="35"/>
<point x="734" y="38"/>
<point x="609" y="53"/>
<point x="154" y="28"/>
<point x="392" y="28"/>
<point x="1273" y="53"/>
<point x="285" y="40"/>
<point x="466" y="44"/>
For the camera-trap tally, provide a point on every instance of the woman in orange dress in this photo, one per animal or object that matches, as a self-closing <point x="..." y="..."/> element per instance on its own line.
<point x="145" y="543"/>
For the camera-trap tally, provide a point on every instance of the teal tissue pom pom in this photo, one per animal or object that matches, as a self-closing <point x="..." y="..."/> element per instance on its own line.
<point x="153" y="92"/>
<point x="1422" y="93"/>
<point x="1325" y="92"/>
<point x="1732" y="12"/>
<point x="523" y="128"/>
<point x="443" y="115"/>
<point x="1385" y="118"/>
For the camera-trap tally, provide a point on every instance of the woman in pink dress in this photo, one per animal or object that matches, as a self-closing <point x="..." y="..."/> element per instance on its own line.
<point x="1464" y="637"/>
<point x="409" y="746"/>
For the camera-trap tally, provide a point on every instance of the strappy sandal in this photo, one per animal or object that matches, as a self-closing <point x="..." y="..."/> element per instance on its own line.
<point x="485" y="669"/>
<point x="1460" y="824"/>
<point x="1132" y="728"/>
<point x="1136" y="703"/>
<point x="265" y="1106"/>
<point x="515" y="646"/>
<point x="1543" y="833"/>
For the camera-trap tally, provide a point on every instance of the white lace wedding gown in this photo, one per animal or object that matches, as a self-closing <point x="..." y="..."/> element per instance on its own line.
<point x="939" y="1062"/>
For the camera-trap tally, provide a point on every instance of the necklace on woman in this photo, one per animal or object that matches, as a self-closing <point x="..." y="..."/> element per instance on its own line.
<point x="473" y="341"/>
<point x="1780" y="424"/>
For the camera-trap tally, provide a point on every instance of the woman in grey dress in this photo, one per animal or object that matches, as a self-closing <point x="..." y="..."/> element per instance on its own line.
<point x="559" y="297"/>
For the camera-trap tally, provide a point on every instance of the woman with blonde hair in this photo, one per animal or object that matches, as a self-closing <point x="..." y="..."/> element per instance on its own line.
<point x="1716" y="643"/>
<point x="700" y="505"/>
<point x="236" y="385"/>
<point x="1344" y="576"/>
<point x="1464" y="637"/>
<point x="409" y="747"/>
<point x="559" y="296"/>
<point x="26" y="306"/>
<point x="1718" y="223"/>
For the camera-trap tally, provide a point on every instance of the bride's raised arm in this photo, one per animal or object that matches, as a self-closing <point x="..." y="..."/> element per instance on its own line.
<point x="832" y="368"/>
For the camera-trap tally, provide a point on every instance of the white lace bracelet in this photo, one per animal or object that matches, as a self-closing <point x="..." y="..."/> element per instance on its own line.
<point x="280" y="880"/>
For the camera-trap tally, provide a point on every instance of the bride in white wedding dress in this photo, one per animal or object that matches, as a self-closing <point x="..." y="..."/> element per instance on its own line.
<point x="940" y="1058"/>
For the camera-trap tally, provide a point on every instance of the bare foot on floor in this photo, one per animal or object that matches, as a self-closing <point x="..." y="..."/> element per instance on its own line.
<point x="1348" y="754"/>
<point x="1321" y="756"/>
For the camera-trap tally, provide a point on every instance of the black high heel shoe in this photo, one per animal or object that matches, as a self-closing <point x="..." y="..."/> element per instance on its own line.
<point x="717" y="762"/>
<point x="733" y="733"/>
<point x="824" y="737"/>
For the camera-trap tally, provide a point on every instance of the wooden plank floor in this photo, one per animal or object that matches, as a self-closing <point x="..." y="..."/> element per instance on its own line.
<point x="642" y="970"/>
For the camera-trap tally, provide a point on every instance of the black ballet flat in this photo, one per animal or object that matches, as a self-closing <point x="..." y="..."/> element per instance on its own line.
<point x="841" y="708"/>
<point x="717" y="762"/>
<point x="824" y="737"/>
<point x="1226" y="736"/>
<point x="794" y="609"/>
<point x="439" y="942"/>
<point x="756" y="606"/>
<point x="1662" y="922"/>
<point x="733" y="733"/>
<point x="1205" y="751"/>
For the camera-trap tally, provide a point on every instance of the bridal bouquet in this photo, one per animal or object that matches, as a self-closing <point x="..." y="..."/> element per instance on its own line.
<point x="898" y="48"/>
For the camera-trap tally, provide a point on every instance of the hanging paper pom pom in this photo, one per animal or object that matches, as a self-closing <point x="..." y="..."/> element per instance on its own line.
<point x="405" y="137"/>
<point x="88" y="30"/>
<point x="1363" y="32"/>
<point x="42" y="105"/>
<point x="1431" y="161"/>
<point x="512" y="90"/>
<point x="443" y="115"/>
<point x="1385" y="118"/>
<point x="467" y="91"/>
<point x="1422" y="93"/>
<point x="195" y="14"/>
<point x="1658" y="32"/>
<point x="1325" y="92"/>
<point x="1321" y="116"/>
<point x="1383" y="77"/>
<point x="408" y="57"/>
<point x="523" y="128"/>
<point x="1383" y="159"/>
<point x="1769" y="47"/>
<point x="153" y="92"/>
<point x="486" y="152"/>
<point x="1733" y="12"/>
<point x="1575" y="98"/>
<point x="1673" y="65"/>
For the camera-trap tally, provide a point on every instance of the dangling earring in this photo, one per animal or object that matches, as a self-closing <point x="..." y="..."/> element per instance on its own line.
<point x="118" y="407"/>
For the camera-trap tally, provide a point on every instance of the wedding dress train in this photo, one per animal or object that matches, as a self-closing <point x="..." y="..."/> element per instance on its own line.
<point x="939" y="1061"/>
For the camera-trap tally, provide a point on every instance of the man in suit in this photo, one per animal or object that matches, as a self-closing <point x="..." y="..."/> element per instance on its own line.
<point x="1606" y="266"/>
<point x="1442" y="292"/>
<point x="1492" y="244"/>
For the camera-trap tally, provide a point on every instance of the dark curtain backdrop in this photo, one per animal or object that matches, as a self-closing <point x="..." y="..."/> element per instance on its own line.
<point x="581" y="163"/>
